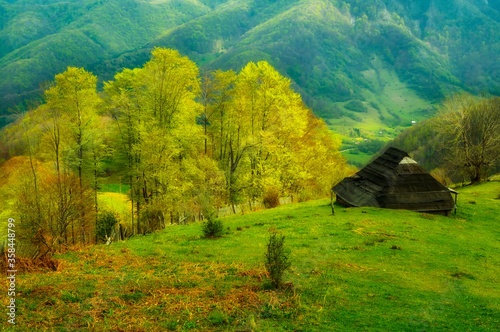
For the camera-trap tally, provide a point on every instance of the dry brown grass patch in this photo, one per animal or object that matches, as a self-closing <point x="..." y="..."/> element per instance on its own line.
<point x="258" y="274"/>
<point x="201" y="300"/>
<point x="28" y="265"/>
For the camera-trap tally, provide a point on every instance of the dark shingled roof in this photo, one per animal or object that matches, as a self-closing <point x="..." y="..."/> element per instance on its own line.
<point x="395" y="181"/>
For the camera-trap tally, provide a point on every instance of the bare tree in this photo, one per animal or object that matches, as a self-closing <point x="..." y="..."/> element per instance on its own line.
<point x="470" y="129"/>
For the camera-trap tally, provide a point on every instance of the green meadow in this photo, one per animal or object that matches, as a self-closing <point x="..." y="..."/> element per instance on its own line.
<point x="362" y="269"/>
<point x="388" y="108"/>
<point x="357" y="158"/>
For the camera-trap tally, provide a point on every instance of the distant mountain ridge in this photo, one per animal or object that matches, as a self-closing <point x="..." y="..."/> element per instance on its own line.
<point x="372" y="64"/>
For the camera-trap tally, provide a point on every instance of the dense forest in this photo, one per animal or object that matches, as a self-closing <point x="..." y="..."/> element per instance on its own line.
<point x="185" y="144"/>
<point x="395" y="58"/>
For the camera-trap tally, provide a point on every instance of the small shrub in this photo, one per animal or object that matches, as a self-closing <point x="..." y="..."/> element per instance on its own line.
<point x="276" y="259"/>
<point x="213" y="228"/>
<point x="272" y="197"/>
<point x="106" y="221"/>
<point x="151" y="219"/>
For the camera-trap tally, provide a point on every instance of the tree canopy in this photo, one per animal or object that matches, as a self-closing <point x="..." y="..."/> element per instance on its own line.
<point x="185" y="144"/>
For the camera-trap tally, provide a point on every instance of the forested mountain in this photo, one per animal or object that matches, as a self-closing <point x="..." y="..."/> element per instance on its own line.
<point x="372" y="64"/>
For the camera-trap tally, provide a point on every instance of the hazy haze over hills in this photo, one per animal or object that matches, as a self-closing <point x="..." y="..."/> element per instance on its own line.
<point x="372" y="64"/>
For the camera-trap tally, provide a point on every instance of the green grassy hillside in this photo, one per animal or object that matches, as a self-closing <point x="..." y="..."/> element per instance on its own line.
<point x="364" y="269"/>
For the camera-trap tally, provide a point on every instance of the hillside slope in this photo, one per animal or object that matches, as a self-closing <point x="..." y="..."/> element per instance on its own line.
<point x="392" y="58"/>
<point x="362" y="269"/>
<point x="39" y="39"/>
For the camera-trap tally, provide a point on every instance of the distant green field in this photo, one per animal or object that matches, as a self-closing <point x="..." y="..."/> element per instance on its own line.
<point x="115" y="188"/>
<point x="364" y="269"/>
<point x="358" y="159"/>
<point x="390" y="106"/>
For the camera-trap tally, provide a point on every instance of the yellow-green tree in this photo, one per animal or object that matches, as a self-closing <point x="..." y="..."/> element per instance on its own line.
<point x="74" y="101"/>
<point x="223" y="128"/>
<point x="156" y="114"/>
<point x="319" y="162"/>
<point x="264" y="138"/>
<point x="122" y="100"/>
<point x="53" y="193"/>
<point x="185" y="145"/>
<point x="215" y="97"/>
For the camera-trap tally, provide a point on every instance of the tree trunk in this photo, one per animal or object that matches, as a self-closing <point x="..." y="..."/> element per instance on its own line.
<point x="477" y="175"/>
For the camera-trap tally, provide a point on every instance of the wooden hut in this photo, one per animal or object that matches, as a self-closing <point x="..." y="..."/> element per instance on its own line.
<point x="395" y="181"/>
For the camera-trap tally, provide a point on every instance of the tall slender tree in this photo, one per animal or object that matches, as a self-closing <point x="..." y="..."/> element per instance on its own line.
<point x="156" y="111"/>
<point x="74" y="99"/>
<point x="123" y="103"/>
